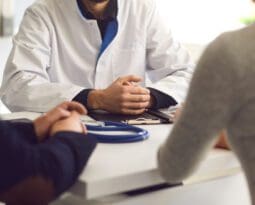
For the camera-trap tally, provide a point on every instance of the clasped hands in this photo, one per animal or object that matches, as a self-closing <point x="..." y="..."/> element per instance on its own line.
<point x="65" y="117"/>
<point x="123" y="96"/>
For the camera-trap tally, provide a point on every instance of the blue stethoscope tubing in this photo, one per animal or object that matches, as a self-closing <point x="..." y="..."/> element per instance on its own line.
<point x="100" y="132"/>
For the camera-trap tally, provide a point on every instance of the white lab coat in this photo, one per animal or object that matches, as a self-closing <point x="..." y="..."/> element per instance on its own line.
<point x="54" y="54"/>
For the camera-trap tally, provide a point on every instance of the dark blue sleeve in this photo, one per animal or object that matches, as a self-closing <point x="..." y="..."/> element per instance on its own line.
<point x="59" y="159"/>
<point x="161" y="99"/>
<point x="82" y="97"/>
<point x="24" y="128"/>
<point x="64" y="157"/>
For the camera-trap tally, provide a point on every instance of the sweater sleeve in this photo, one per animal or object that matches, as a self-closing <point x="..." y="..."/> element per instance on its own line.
<point x="59" y="159"/>
<point x="63" y="158"/>
<point x="207" y="111"/>
<point x="24" y="128"/>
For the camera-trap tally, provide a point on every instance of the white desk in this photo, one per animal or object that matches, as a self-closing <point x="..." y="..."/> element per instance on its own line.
<point x="123" y="167"/>
<point x="117" y="168"/>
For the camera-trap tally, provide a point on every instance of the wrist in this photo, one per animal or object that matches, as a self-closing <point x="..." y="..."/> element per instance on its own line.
<point x="95" y="99"/>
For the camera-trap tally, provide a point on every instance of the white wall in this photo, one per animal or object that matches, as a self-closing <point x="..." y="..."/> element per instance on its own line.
<point x="200" y="21"/>
<point x="5" y="47"/>
<point x="20" y="6"/>
<point x="5" y="43"/>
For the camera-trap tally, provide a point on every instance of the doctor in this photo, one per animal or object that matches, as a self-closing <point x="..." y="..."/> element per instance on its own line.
<point x="96" y="52"/>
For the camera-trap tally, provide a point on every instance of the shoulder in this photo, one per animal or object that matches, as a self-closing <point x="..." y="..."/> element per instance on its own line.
<point x="43" y="7"/>
<point x="232" y="42"/>
<point x="38" y="5"/>
<point x="140" y="5"/>
<point x="232" y="48"/>
<point x="50" y="12"/>
<point x="224" y="48"/>
<point x="226" y="56"/>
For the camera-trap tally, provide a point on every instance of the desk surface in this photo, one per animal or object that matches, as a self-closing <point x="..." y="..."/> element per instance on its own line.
<point x="116" y="168"/>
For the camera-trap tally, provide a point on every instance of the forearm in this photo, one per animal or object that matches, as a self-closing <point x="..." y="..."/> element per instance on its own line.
<point x="19" y="92"/>
<point x="31" y="89"/>
<point x="181" y="154"/>
<point x="63" y="157"/>
<point x="206" y="112"/>
<point x="58" y="160"/>
<point x="25" y="130"/>
<point x="193" y="134"/>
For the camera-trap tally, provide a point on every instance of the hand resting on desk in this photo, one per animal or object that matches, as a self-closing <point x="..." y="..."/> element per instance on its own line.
<point x="53" y="121"/>
<point x="123" y="96"/>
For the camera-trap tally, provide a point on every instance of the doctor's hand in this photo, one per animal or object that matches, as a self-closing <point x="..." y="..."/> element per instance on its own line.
<point x="43" y="124"/>
<point x="123" y="96"/>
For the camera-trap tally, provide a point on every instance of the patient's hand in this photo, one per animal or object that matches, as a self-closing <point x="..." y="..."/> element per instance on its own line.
<point x="71" y="123"/>
<point x="44" y="123"/>
<point x="178" y="112"/>
<point x="222" y="141"/>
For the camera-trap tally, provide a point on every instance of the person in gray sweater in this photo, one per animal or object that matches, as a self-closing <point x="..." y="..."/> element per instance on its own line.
<point x="221" y="97"/>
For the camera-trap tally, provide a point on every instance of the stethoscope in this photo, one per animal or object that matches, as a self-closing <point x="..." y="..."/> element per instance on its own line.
<point x="129" y="133"/>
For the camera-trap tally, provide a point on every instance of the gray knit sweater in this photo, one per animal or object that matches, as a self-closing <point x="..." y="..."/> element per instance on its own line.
<point x="221" y="96"/>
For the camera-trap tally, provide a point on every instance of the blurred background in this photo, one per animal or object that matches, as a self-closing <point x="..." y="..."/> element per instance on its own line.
<point x="194" y="23"/>
<point x="200" y="21"/>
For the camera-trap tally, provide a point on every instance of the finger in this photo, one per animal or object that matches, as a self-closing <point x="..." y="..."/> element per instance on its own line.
<point x="127" y="111"/>
<point x="137" y="98"/>
<point x="71" y="106"/>
<point x="139" y="90"/>
<point x="56" y="114"/>
<point x="43" y="123"/>
<point x="130" y="78"/>
<point x="135" y="105"/>
<point x="75" y="114"/>
<point x="84" y="128"/>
